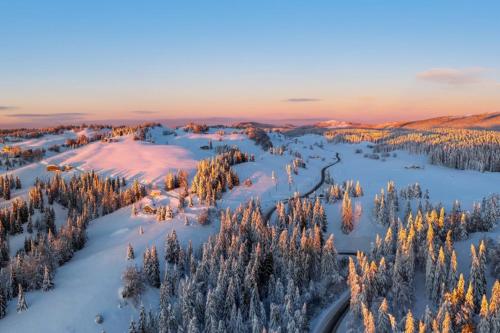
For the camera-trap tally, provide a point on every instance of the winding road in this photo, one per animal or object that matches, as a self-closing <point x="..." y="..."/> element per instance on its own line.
<point x="330" y="322"/>
<point x="332" y="319"/>
<point x="271" y="210"/>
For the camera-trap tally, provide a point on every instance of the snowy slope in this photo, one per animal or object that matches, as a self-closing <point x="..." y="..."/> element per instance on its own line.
<point x="130" y="159"/>
<point x="89" y="284"/>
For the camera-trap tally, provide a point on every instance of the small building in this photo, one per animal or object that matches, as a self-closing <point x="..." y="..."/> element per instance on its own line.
<point x="149" y="210"/>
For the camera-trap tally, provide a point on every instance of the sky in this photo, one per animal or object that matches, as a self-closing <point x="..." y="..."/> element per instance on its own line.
<point x="366" y="61"/>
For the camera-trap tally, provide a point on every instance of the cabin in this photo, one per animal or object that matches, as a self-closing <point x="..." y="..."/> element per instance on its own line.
<point x="149" y="210"/>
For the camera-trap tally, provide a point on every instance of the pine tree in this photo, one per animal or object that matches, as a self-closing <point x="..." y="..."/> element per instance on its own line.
<point x="169" y="213"/>
<point x="466" y="314"/>
<point x="447" y="326"/>
<point x="477" y="272"/>
<point x="484" y="321"/>
<point x="359" y="190"/>
<point x="430" y="270"/>
<point x="383" y="319"/>
<point x="29" y="227"/>
<point x="409" y="323"/>
<point x="329" y="266"/>
<point x="494" y="308"/>
<point x="131" y="327"/>
<point x="368" y="321"/>
<point x="357" y="296"/>
<point x="347" y="214"/>
<point x="3" y="304"/>
<point x="142" y="325"/>
<point x="172" y="248"/>
<point x="152" y="267"/>
<point x="452" y="277"/>
<point x="130" y="252"/>
<point x="21" y="301"/>
<point x="421" y="327"/>
<point x="402" y="288"/>
<point x="439" y="277"/>
<point x="428" y="317"/>
<point x="47" y="280"/>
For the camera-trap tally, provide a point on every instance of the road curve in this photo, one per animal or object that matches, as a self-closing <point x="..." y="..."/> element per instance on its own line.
<point x="269" y="213"/>
<point x="331" y="321"/>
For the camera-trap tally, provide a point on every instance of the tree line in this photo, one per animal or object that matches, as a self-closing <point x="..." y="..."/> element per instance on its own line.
<point x="454" y="148"/>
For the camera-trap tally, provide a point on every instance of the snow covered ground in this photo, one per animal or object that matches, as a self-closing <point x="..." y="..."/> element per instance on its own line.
<point x="89" y="284"/>
<point x="445" y="185"/>
<point x="45" y="142"/>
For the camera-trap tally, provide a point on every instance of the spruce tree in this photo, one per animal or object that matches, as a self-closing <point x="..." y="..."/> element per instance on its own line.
<point x="409" y="323"/>
<point x="477" y="273"/>
<point x="465" y="315"/>
<point x="130" y="252"/>
<point x="154" y="277"/>
<point x="383" y="319"/>
<point x="494" y="308"/>
<point x="47" y="280"/>
<point x="29" y="227"/>
<point x="3" y="304"/>
<point x="21" y="301"/>
<point x="347" y="214"/>
<point x="484" y="320"/>
<point x="142" y="324"/>
<point x="131" y="327"/>
<point x="172" y="248"/>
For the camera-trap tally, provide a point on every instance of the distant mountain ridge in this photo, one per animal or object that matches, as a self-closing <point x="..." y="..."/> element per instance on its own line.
<point x="487" y="121"/>
<point x="336" y="124"/>
<point x="477" y="121"/>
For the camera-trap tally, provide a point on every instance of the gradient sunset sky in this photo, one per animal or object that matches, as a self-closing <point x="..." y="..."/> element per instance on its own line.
<point x="368" y="61"/>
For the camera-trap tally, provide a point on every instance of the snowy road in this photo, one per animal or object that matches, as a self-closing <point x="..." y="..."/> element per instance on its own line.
<point x="269" y="213"/>
<point x="330" y="321"/>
